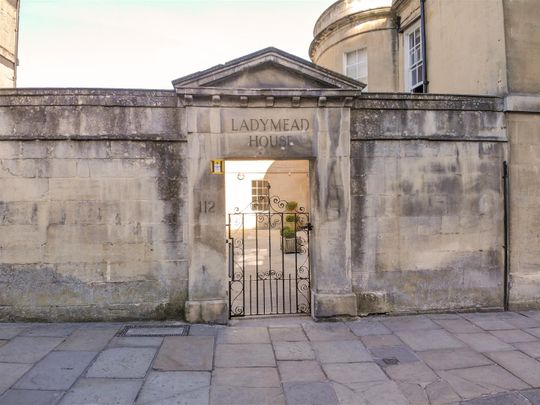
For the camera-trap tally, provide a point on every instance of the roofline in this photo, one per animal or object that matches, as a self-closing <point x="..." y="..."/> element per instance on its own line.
<point x="266" y="51"/>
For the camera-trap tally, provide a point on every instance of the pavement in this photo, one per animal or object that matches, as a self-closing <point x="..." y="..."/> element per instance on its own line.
<point x="468" y="358"/>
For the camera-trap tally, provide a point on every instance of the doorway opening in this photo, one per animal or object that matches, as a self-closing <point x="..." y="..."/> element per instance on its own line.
<point x="267" y="230"/>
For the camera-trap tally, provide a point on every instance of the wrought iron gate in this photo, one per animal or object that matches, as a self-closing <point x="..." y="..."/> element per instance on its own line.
<point x="269" y="268"/>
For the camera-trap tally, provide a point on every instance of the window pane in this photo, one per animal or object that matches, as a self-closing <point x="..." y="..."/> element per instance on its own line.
<point x="356" y="64"/>
<point x="413" y="61"/>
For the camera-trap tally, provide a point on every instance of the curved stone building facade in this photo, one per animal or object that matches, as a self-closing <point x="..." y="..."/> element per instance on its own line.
<point x="470" y="46"/>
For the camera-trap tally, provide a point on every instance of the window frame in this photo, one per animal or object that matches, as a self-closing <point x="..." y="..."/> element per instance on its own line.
<point x="363" y="79"/>
<point x="418" y="64"/>
<point x="260" y="195"/>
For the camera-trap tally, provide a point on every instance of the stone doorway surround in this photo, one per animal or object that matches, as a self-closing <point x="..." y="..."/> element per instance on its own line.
<point x="268" y="105"/>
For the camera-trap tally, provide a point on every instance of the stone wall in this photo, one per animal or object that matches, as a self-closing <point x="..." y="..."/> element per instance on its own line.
<point x="427" y="203"/>
<point x="92" y="205"/>
<point x="522" y="45"/>
<point x="524" y="132"/>
<point x="94" y="185"/>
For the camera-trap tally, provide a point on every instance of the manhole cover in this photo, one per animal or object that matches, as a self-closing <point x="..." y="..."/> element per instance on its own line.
<point x="152" y="330"/>
<point x="390" y="360"/>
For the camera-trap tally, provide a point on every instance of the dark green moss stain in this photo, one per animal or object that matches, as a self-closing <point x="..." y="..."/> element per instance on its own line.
<point x="174" y="309"/>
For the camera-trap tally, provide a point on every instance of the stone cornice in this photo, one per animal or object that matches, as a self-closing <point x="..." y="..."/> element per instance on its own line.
<point x="344" y="22"/>
<point x="408" y="101"/>
<point x="527" y="103"/>
<point x="87" y="97"/>
<point x="285" y="98"/>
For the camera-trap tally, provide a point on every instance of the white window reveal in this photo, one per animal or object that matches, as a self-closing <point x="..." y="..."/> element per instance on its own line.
<point x="356" y="65"/>
<point x="260" y="195"/>
<point x="414" y="65"/>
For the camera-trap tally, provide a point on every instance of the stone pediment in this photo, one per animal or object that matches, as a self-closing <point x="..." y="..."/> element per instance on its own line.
<point x="269" y="68"/>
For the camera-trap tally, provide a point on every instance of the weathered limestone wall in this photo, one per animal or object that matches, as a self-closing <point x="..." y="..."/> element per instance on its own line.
<point x="9" y="16"/>
<point x="427" y="203"/>
<point x="522" y="45"/>
<point x="524" y="133"/>
<point x="92" y="205"/>
<point x="464" y="57"/>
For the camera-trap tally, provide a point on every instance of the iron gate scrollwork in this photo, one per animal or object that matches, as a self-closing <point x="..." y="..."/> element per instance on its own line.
<point x="269" y="267"/>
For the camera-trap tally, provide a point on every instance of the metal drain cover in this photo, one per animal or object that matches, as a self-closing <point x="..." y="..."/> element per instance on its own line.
<point x="153" y="330"/>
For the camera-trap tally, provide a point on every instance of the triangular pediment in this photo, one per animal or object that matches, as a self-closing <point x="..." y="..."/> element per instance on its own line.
<point x="269" y="68"/>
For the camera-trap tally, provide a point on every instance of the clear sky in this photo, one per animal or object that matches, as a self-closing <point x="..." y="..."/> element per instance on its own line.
<point x="148" y="43"/>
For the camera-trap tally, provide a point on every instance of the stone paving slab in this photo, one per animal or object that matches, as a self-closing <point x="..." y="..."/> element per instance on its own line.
<point x="444" y="316"/>
<point x="523" y="322"/>
<point x="51" y="330"/>
<point x="122" y="362"/>
<point x="374" y="341"/>
<point x="410" y="323"/>
<point x="450" y="359"/>
<point x="532" y="395"/>
<point x="317" y="332"/>
<point x="436" y="393"/>
<point x="493" y="324"/>
<point x="366" y="327"/>
<point x="315" y="393"/>
<point x="244" y="355"/>
<point x="342" y="351"/>
<point x="530" y="348"/>
<point x="477" y="381"/>
<point x="205" y="330"/>
<point x="440" y="392"/>
<point x="28" y="349"/>
<point x="225" y="395"/>
<point x="175" y="387"/>
<point x="415" y="393"/>
<point x="483" y="342"/>
<point x="94" y="391"/>
<point x="514" y="336"/>
<point x="400" y="353"/>
<point x="185" y="353"/>
<point x="519" y="364"/>
<point x="370" y="393"/>
<point x="287" y="334"/>
<point x="10" y="331"/>
<point x="30" y="397"/>
<point x="417" y="373"/>
<point x="57" y="371"/>
<point x="458" y="326"/>
<point x="244" y="335"/>
<point x="429" y="340"/>
<point x="507" y="398"/>
<point x="345" y="373"/>
<point x="293" y="351"/>
<point x="136" y="341"/>
<point x="533" y="331"/>
<point x="10" y="373"/>
<point x="251" y="377"/>
<point x="307" y="370"/>
<point x="90" y="340"/>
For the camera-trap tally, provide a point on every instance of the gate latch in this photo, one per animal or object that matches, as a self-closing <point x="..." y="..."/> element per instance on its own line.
<point x="308" y="227"/>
